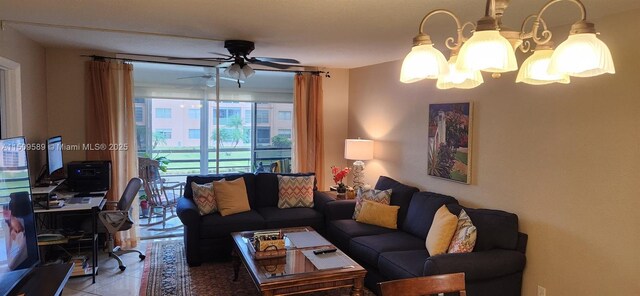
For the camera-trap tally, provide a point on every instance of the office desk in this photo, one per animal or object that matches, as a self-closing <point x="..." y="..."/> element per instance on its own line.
<point x="44" y="281"/>
<point x="92" y="207"/>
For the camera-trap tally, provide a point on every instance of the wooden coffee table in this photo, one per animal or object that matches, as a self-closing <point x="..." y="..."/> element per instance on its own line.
<point x="295" y="273"/>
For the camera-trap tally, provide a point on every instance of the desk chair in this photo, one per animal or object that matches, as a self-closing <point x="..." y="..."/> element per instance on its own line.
<point x="426" y="285"/>
<point x="159" y="194"/>
<point x="118" y="220"/>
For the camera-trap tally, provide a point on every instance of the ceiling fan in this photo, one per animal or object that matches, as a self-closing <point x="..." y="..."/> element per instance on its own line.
<point x="238" y="60"/>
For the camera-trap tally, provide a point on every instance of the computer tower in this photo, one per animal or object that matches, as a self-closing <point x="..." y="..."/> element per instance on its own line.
<point x="89" y="176"/>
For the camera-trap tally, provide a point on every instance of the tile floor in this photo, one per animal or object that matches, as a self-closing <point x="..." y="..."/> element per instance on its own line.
<point x="110" y="280"/>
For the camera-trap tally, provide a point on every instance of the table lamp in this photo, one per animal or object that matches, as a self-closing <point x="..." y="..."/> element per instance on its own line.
<point x="358" y="150"/>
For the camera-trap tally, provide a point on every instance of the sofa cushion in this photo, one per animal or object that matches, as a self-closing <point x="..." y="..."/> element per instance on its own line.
<point x="249" y="182"/>
<point x="216" y="226"/>
<point x="292" y="217"/>
<point x="422" y="209"/>
<point x="402" y="264"/>
<point x="367" y="248"/>
<point x="400" y="196"/>
<point x="204" y="197"/>
<point x="465" y="237"/>
<point x="340" y="232"/>
<point x="266" y="188"/>
<point x="495" y="229"/>
<point x="295" y="192"/>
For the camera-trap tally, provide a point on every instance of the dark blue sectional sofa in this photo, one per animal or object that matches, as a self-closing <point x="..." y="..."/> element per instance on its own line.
<point x="494" y="267"/>
<point x="208" y="238"/>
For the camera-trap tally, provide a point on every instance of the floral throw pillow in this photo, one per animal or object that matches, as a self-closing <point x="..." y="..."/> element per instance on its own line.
<point x="379" y="196"/>
<point x="204" y="197"/>
<point x="464" y="239"/>
<point x="295" y="191"/>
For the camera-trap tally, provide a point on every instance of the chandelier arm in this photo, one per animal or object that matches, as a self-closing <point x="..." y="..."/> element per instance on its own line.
<point x="546" y="33"/>
<point x="450" y="42"/>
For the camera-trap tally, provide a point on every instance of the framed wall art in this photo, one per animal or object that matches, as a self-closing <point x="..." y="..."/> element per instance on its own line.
<point x="449" y="152"/>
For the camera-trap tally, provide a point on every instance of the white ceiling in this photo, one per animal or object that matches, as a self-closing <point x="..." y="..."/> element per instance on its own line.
<point x="326" y="33"/>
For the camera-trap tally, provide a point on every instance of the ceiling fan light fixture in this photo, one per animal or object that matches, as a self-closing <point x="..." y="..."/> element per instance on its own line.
<point x="247" y="72"/>
<point x="233" y="71"/>
<point x="211" y="82"/>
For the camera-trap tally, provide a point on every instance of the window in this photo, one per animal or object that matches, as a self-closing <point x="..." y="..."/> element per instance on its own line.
<point x="263" y="136"/>
<point x="10" y="159"/>
<point x="194" y="114"/>
<point x="194" y="133"/>
<point x="226" y="115"/>
<point x="163" y="112"/>
<point x="247" y="116"/>
<point x="262" y="116"/>
<point x="285" y="132"/>
<point x="163" y="134"/>
<point x="284" y="115"/>
<point x="139" y="113"/>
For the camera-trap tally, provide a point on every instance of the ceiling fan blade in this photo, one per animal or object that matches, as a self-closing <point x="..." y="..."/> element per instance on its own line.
<point x="269" y="64"/>
<point x="224" y="65"/>
<point x="200" y="59"/>
<point x="278" y="60"/>
<point x="199" y="76"/>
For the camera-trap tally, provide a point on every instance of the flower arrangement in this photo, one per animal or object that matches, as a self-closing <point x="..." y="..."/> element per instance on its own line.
<point x="338" y="175"/>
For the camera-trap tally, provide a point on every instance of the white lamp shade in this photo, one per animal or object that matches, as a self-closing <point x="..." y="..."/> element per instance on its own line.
<point x="424" y="61"/>
<point x="233" y="71"/>
<point x="582" y="55"/>
<point x="358" y="149"/>
<point x="535" y="70"/>
<point x="247" y="72"/>
<point x="459" y="79"/>
<point x="487" y="51"/>
<point x="211" y="82"/>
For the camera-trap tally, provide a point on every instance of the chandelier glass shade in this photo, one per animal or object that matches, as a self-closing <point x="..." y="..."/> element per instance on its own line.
<point x="423" y="62"/>
<point x="487" y="50"/>
<point x="535" y="69"/>
<point x="464" y="79"/>
<point x="582" y="55"/>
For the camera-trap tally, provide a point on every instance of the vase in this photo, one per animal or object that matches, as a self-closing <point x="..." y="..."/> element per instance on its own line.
<point x="342" y="191"/>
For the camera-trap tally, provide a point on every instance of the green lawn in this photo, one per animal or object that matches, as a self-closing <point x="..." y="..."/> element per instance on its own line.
<point x="462" y="157"/>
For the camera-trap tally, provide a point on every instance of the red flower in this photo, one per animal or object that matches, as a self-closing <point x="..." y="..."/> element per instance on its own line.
<point x="339" y="174"/>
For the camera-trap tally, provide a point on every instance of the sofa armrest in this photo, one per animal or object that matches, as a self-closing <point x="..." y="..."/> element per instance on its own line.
<point x="320" y="200"/>
<point x="188" y="212"/>
<point x="339" y="209"/>
<point x="477" y="265"/>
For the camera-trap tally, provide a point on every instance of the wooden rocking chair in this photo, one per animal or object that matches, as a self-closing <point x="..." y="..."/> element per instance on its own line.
<point x="160" y="195"/>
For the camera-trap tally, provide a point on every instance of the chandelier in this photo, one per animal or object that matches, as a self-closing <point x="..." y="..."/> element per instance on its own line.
<point x="492" y="47"/>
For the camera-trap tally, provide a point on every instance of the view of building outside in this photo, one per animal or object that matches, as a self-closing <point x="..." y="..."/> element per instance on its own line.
<point x="182" y="130"/>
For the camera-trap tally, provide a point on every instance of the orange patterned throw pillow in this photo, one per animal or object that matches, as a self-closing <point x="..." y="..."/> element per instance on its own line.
<point x="204" y="197"/>
<point x="465" y="237"/>
<point x="295" y="191"/>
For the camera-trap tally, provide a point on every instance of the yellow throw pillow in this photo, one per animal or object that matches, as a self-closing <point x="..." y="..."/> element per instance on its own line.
<point x="441" y="231"/>
<point x="379" y="214"/>
<point x="231" y="196"/>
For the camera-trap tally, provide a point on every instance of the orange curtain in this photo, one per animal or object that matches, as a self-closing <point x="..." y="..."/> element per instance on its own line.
<point x="308" y="133"/>
<point x="110" y="123"/>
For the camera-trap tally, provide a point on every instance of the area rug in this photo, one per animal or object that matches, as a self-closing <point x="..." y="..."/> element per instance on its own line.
<point x="166" y="273"/>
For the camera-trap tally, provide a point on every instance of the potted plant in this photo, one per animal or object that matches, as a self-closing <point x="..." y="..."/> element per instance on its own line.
<point x="144" y="205"/>
<point x="338" y="176"/>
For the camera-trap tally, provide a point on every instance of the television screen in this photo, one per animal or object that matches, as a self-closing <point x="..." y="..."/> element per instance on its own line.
<point x="18" y="238"/>
<point x="54" y="155"/>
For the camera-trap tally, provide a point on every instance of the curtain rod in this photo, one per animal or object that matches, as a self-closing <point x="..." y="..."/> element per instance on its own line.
<point x="98" y="57"/>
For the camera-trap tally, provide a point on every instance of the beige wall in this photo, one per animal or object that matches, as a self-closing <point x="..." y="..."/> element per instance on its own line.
<point x="66" y="98"/>
<point x="565" y="158"/>
<point x="336" y="107"/>
<point x="31" y="57"/>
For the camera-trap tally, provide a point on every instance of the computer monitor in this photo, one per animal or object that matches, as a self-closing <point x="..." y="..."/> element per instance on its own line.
<point x="18" y="238"/>
<point x="54" y="158"/>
